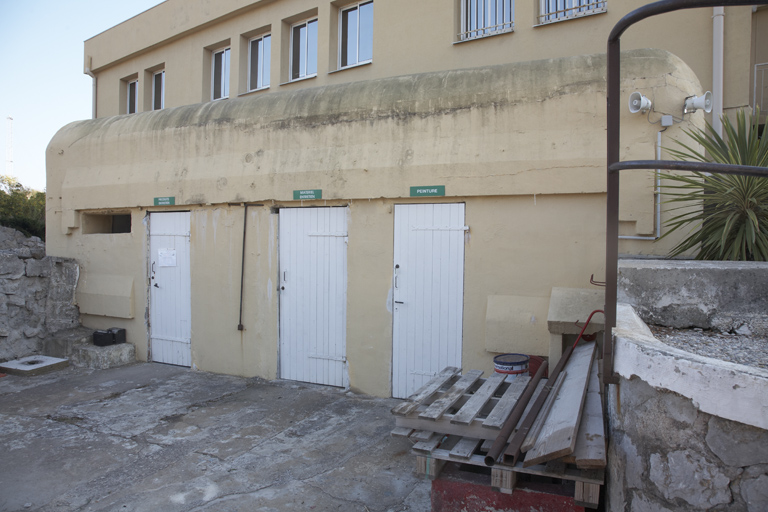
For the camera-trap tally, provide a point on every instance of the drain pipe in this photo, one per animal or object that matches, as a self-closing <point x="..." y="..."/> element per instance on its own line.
<point x="656" y="200"/>
<point x="90" y="74"/>
<point x="718" y="31"/>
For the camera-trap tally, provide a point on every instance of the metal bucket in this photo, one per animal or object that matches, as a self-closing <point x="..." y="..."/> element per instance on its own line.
<point x="511" y="365"/>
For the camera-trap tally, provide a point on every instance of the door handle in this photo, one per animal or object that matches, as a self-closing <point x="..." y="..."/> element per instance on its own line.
<point x="399" y="302"/>
<point x="156" y="286"/>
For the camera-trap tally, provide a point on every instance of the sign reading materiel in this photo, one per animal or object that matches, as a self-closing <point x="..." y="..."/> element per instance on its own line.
<point x="438" y="190"/>
<point x="165" y="201"/>
<point x="307" y="194"/>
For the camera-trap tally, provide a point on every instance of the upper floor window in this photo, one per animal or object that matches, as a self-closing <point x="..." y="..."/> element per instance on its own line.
<point x="557" y="10"/>
<point x="132" y="99"/>
<point x="485" y="17"/>
<point x="158" y="90"/>
<point x="356" y="34"/>
<point x="220" y="74"/>
<point x="259" y="49"/>
<point x="304" y="49"/>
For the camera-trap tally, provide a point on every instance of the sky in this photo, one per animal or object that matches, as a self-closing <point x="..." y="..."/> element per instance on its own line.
<point x="42" y="84"/>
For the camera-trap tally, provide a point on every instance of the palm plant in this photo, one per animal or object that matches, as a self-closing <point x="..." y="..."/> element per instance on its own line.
<point x="728" y="215"/>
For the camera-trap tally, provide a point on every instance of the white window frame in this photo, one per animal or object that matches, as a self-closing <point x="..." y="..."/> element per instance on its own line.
<point x="263" y="73"/>
<point x="303" y="70"/>
<point x="161" y="92"/>
<point x="224" y="78"/>
<point x="132" y="84"/>
<point x="482" y="18"/>
<point x="551" y="11"/>
<point x="356" y="60"/>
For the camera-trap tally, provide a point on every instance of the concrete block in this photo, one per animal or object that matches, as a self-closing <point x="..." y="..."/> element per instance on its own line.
<point x="33" y="365"/>
<point x="571" y="306"/>
<point x="100" y="358"/>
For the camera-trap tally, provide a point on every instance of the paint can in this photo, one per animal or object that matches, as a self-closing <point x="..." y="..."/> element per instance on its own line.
<point x="511" y="365"/>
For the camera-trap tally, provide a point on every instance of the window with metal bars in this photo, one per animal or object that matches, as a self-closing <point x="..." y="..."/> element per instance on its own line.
<point x="481" y="18"/>
<point x="557" y="10"/>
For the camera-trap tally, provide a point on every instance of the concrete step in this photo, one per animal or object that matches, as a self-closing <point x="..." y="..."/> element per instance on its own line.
<point x="77" y="346"/>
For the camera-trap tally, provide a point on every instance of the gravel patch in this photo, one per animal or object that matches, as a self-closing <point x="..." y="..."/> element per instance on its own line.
<point x="736" y="348"/>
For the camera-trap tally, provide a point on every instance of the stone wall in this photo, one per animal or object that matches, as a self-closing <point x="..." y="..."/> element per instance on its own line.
<point x="36" y="294"/>
<point x="667" y="455"/>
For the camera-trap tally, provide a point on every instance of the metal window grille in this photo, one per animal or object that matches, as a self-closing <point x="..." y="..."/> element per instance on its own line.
<point x="555" y="10"/>
<point x="485" y="17"/>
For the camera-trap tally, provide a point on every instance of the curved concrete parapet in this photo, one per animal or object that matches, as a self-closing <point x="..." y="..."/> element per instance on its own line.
<point x="728" y="390"/>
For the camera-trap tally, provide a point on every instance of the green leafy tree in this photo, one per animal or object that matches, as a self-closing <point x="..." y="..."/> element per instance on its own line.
<point x="21" y="208"/>
<point x="727" y="215"/>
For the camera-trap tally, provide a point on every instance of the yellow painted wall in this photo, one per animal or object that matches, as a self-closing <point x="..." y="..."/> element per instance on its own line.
<point x="522" y="145"/>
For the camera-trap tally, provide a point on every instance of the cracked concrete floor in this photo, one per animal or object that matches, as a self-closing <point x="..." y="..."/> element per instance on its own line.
<point x="152" y="437"/>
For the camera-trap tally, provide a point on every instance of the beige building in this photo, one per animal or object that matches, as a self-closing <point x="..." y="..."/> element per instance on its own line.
<point x="362" y="193"/>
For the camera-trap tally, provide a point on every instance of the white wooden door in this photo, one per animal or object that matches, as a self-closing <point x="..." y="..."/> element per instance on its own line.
<point x="428" y="293"/>
<point x="313" y="295"/>
<point x="170" y="312"/>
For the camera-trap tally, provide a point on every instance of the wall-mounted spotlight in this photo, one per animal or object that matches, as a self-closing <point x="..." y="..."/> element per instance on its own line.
<point x="639" y="103"/>
<point x="694" y="103"/>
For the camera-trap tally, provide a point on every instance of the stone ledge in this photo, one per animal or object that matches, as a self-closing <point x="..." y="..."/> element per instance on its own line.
<point x="727" y="390"/>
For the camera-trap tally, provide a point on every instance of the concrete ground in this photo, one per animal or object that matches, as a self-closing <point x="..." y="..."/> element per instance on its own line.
<point x="152" y="437"/>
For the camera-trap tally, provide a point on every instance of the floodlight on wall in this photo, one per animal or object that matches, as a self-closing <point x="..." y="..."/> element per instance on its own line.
<point x="694" y="103"/>
<point x="639" y="103"/>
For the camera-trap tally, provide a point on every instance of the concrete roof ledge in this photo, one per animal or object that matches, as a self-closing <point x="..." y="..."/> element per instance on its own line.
<point x="728" y="390"/>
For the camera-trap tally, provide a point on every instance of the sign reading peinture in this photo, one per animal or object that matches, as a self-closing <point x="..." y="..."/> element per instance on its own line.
<point x="308" y="194"/>
<point x="438" y="190"/>
<point x="165" y="201"/>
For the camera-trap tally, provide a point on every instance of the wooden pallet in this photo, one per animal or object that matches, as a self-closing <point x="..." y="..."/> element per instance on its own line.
<point x="456" y="418"/>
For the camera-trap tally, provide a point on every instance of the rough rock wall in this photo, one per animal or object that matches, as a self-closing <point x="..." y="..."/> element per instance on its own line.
<point x="36" y="294"/>
<point x="665" y="455"/>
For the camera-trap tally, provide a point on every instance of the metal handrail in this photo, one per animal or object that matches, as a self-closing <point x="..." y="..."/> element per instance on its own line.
<point x="614" y="164"/>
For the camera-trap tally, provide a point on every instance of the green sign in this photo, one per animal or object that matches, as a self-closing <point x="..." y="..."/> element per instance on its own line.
<point x="307" y="194"/>
<point x="165" y="201"/>
<point x="438" y="190"/>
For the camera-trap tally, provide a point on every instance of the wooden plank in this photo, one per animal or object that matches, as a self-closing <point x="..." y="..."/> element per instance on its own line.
<point x="500" y="413"/>
<point x="475" y="404"/>
<point x="426" y="391"/>
<point x="530" y="440"/>
<point x="558" y="435"/>
<point x="442" y="404"/>
<point x="429" y="445"/>
<point x="590" y="452"/>
<point x="444" y="426"/>
<point x="428" y="467"/>
<point x="596" y="476"/>
<point x="464" y="448"/>
<point x="586" y="495"/>
<point x="401" y="432"/>
<point x="503" y="479"/>
<point x="422" y="435"/>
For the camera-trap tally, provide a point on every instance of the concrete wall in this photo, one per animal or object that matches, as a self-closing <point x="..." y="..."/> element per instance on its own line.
<point x="728" y="296"/>
<point x="521" y="145"/>
<point x="408" y="37"/>
<point x="36" y="294"/>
